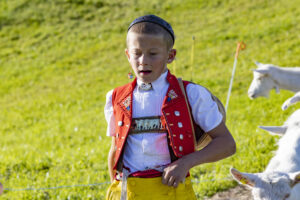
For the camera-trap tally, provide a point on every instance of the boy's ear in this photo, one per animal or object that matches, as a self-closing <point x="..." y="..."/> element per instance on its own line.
<point x="127" y="54"/>
<point x="172" y="55"/>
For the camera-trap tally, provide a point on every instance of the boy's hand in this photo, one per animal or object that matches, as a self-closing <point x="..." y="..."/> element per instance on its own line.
<point x="175" y="173"/>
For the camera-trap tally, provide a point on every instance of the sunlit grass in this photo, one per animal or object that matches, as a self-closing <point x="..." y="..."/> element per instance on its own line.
<point x="58" y="59"/>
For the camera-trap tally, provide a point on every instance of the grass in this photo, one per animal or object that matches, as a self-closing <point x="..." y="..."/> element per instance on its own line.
<point x="59" y="58"/>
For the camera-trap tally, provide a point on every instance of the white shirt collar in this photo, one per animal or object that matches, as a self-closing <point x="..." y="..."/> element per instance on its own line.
<point x="159" y="83"/>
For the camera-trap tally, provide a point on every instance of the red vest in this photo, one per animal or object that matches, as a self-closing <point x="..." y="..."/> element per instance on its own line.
<point x="175" y="117"/>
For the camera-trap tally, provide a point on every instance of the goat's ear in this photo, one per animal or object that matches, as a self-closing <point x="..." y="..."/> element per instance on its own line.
<point x="295" y="178"/>
<point x="257" y="63"/>
<point x="275" y="130"/>
<point x="291" y="101"/>
<point x="243" y="178"/>
<point x="261" y="71"/>
<point x="253" y="70"/>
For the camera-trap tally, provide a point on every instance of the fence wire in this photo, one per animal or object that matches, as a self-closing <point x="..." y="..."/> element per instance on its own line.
<point x="95" y="184"/>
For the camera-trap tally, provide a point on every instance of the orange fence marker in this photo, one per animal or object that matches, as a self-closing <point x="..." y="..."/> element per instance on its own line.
<point x="240" y="46"/>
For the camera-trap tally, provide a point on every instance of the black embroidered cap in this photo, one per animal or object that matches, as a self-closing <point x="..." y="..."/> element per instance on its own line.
<point x="156" y="20"/>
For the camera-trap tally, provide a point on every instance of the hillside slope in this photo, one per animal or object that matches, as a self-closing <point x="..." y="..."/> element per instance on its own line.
<point x="59" y="58"/>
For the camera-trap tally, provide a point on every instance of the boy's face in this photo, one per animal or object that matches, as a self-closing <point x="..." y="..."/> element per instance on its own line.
<point x="148" y="55"/>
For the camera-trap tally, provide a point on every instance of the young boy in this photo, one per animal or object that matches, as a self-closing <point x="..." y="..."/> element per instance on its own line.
<point x="152" y="147"/>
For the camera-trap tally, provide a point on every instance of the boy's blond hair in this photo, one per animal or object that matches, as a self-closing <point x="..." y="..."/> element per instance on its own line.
<point x="152" y="29"/>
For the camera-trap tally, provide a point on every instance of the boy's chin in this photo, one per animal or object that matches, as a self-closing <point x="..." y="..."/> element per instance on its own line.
<point x="148" y="78"/>
<point x="145" y="80"/>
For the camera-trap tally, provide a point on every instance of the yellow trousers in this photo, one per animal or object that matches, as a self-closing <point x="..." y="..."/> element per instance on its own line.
<point x="151" y="188"/>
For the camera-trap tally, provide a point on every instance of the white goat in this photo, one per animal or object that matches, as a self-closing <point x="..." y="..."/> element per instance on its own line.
<point x="268" y="76"/>
<point x="291" y="101"/>
<point x="281" y="179"/>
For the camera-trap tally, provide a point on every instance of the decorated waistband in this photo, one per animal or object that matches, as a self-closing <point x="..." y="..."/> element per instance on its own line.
<point x="147" y="125"/>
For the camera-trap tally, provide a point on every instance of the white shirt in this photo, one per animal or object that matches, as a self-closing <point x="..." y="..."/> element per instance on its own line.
<point x="150" y="150"/>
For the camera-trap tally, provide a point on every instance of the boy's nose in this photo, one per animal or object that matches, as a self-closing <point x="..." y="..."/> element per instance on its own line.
<point x="143" y="60"/>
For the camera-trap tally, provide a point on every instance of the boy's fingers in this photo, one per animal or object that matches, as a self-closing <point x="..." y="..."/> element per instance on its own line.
<point x="175" y="184"/>
<point x="165" y="178"/>
<point x="171" y="181"/>
<point x="166" y="172"/>
<point x="170" y="178"/>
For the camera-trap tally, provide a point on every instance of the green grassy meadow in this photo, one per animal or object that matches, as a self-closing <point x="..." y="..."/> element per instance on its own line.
<point x="59" y="58"/>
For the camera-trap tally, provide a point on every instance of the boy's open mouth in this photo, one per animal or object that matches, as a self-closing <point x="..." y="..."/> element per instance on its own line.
<point x="145" y="72"/>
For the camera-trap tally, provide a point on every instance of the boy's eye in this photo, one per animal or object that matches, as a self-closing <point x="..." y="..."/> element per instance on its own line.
<point x="136" y="53"/>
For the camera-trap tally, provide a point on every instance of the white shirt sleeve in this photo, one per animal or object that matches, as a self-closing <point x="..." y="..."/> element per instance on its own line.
<point x="204" y="109"/>
<point x="109" y="115"/>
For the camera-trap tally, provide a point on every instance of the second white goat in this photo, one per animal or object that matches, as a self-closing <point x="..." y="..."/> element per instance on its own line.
<point x="268" y="77"/>
<point x="281" y="179"/>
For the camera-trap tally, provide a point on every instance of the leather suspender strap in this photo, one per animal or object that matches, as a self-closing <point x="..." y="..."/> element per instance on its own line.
<point x="204" y="138"/>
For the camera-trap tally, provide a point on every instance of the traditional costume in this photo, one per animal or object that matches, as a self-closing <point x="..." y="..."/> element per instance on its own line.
<point x="152" y="128"/>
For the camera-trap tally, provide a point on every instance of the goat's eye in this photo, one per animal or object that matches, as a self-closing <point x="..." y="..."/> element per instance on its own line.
<point x="286" y="196"/>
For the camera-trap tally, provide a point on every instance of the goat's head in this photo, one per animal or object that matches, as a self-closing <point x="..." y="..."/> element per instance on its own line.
<point x="269" y="186"/>
<point x="262" y="83"/>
